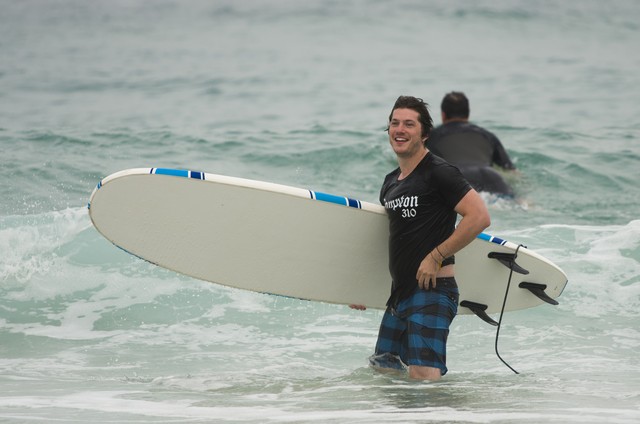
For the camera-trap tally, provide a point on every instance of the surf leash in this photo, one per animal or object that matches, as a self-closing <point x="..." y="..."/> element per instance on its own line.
<point x="504" y="302"/>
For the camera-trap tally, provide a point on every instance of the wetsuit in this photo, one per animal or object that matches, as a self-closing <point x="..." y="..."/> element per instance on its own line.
<point x="472" y="149"/>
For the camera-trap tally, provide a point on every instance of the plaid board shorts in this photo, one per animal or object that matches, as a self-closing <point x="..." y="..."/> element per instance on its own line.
<point x="417" y="329"/>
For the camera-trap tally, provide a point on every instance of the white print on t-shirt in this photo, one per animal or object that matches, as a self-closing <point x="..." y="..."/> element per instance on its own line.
<point x="407" y="203"/>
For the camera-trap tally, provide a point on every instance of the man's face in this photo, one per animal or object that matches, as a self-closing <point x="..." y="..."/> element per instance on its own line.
<point x="405" y="132"/>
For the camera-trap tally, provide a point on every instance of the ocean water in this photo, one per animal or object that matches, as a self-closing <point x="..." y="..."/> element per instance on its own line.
<point x="298" y="93"/>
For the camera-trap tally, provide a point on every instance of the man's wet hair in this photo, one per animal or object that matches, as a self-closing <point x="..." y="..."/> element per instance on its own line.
<point x="418" y="105"/>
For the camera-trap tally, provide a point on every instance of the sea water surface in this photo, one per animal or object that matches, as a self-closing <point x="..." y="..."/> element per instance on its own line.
<point x="298" y="93"/>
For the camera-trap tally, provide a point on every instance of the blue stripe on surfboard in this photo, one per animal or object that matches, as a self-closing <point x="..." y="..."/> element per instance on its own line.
<point x="492" y="239"/>
<point x="338" y="200"/>
<point x="178" y="173"/>
<point x="354" y="203"/>
<point x="172" y="172"/>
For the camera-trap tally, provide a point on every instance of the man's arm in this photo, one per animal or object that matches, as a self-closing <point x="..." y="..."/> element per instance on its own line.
<point x="500" y="156"/>
<point x="475" y="218"/>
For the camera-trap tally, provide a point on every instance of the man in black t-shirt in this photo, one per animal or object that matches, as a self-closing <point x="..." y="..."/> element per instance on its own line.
<point x="471" y="148"/>
<point x="423" y="198"/>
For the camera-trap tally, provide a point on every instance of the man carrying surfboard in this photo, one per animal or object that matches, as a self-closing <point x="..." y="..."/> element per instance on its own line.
<point x="423" y="198"/>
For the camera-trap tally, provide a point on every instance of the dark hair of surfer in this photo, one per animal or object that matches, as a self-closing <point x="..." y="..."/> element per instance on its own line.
<point x="420" y="106"/>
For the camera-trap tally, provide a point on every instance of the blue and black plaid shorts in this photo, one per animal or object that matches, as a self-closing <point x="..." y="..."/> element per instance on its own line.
<point x="417" y="329"/>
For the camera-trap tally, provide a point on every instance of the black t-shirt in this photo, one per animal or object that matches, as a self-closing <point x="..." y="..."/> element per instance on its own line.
<point x="421" y="216"/>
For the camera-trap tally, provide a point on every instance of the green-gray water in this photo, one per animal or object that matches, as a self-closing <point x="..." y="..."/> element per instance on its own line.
<point x="298" y="93"/>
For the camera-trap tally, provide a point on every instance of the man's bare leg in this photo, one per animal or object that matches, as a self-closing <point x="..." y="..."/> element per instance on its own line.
<point x="424" y="373"/>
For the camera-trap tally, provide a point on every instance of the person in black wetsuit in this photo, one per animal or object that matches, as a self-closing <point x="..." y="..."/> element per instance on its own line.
<point x="423" y="198"/>
<point x="469" y="147"/>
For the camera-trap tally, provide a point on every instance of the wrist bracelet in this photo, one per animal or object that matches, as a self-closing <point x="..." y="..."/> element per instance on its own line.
<point x="440" y="253"/>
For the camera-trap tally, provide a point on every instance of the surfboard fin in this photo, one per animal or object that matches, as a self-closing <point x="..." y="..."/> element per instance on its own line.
<point x="508" y="260"/>
<point x="538" y="290"/>
<point x="479" y="309"/>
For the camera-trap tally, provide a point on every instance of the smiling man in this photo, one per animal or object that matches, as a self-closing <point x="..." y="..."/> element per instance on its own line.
<point x="423" y="198"/>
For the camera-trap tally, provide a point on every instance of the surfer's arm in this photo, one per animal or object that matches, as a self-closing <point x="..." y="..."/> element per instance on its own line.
<point x="475" y="218"/>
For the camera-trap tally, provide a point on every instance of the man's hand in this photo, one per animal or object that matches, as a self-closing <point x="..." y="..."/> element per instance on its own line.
<point x="427" y="272"/>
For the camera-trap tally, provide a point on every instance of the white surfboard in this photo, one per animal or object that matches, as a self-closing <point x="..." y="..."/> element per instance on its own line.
<point x="289" y="241"/>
